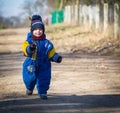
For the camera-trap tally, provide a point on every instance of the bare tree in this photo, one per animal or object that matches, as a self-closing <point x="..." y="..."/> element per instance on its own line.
<point x="56" y="4"/>
<point x="28" y="7"/>
<point x="31" y="7"/>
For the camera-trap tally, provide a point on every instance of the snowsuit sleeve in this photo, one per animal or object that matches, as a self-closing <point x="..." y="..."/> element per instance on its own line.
<point x="26" y="47"/>
<point x="51" y="53"/>
<point x="25" y="44"/>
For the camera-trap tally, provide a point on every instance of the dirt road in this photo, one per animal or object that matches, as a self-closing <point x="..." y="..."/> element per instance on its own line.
<point x="82" y="83"/>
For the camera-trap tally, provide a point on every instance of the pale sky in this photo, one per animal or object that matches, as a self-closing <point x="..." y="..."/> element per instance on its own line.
<point x="14" y="8"/>
<point x="11" y="7"/>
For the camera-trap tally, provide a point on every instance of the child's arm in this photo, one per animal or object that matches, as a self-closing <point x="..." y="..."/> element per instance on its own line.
<point x="28" y="49"/>
<point x="51" y="53"/>
<point x="56" y="58"/>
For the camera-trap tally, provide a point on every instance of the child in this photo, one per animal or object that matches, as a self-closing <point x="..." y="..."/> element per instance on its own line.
<point x="39" y="53"/>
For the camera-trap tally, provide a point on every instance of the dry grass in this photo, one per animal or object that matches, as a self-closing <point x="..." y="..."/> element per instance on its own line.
<point x="76" y="39"/>
<point x="66" y="38"/>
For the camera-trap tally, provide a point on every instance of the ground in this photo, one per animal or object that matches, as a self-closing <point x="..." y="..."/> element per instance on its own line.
<point x="87" y="81"/>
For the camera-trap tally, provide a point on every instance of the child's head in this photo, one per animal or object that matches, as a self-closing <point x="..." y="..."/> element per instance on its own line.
<point x="38" y="32"/>
<point x="37" y="26"/>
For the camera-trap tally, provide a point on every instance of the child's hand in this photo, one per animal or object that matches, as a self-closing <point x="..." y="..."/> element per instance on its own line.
<point x="59" y="60"/>
<point x="32" y="47"/>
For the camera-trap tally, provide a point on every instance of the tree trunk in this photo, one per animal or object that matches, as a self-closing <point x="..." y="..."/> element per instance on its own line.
<point x="61" y="4"/>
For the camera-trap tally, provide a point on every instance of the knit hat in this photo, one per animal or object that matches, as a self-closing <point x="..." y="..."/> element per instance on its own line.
<point x="36" y="22"/>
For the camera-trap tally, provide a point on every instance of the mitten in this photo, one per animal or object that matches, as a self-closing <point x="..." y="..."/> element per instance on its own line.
<point x="59" y="60"/>
<point x="32" y="47"/>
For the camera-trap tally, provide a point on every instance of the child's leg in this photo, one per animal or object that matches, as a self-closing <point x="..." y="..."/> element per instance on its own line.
<point x="29" y="79"/>
<point x="43" y="81"/>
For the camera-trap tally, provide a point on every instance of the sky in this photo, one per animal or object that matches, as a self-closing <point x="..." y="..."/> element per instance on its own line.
<point x="11" y="7"/>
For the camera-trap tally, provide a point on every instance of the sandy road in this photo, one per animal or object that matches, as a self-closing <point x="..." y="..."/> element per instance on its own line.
<point x="82" y="83"/>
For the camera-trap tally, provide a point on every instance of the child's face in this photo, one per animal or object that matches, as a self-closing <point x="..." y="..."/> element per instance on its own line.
<point x="37" y="32"/>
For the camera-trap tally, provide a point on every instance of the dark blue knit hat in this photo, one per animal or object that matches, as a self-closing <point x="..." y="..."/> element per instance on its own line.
<point x="36" y="22"/>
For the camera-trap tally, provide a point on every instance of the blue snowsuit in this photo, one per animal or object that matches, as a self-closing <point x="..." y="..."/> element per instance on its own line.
<point x="37" y="66"/>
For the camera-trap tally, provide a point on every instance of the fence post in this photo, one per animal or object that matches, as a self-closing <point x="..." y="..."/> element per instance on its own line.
<point x="90" y="17"/>
<point x="81" y="14"/>
<point x="111" y="20"/>
<point x="116" y="21"/>
<point x="84" y="15"/>
<point x="69" y="14"/>
<point x="105" y="19"/>
<point x="72" y="14"/>
<point x="97" y="19"/>
<point x="65" y="14"/>
<point x="78" y="3"/>
<point x="77" y="14"/>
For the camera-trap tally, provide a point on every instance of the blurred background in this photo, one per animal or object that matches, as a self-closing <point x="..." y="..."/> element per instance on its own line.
<point x="99" y="19"/>
<point x="95" y="13"/>
<point x="15" y="13"/>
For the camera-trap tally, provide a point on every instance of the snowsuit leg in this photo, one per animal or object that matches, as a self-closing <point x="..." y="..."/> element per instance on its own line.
<point x="28" y="73"/>
<point x="43" y="79"/>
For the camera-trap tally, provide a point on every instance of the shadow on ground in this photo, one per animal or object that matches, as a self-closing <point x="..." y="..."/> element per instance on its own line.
<point x="56" y="103"/>
<point x="63" y="104"/>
